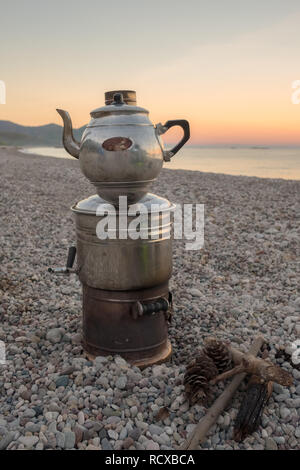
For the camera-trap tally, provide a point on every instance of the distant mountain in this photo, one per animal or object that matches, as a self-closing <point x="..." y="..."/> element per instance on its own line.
<point x="48" y="135"/>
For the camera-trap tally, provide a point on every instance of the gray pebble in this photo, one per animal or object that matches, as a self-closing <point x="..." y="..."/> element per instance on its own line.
<point x="28" y="441"/>
<point x="270" y="444"/>
<point x="154" y="429"/>
<point x="55" y="335"/>
<point x="121" y="382"/>
<point x="6" y="440"/>
<point x="62" y="381"/>
<point x="284" y="413"/>
<point x="69" y="439"/>
<point x="60" y="439"/>
<point x="105" y="444"/>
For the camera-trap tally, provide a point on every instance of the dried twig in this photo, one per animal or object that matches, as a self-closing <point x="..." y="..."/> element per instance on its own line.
<point x="250" y="364"/>
<point x="229" y="373"/>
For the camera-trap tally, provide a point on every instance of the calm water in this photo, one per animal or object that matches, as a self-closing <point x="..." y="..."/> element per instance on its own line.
<point x="263" y="162"/>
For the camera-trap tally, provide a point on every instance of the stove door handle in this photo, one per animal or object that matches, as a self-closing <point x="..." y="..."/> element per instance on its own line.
<point x="141" y="308"/>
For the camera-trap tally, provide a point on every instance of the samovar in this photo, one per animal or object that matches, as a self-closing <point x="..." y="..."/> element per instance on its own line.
<point x="124" y="272"/>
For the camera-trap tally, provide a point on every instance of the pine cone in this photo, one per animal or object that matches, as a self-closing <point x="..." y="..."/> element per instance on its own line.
<point x="219" y="353"/>
<point x="196" y="380"/>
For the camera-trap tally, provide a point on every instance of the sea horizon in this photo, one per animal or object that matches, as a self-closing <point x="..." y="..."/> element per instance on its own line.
<point x="253" y="160"/>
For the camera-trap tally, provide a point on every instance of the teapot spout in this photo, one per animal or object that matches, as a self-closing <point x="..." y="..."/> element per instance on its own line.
<point x="71" y="145"/>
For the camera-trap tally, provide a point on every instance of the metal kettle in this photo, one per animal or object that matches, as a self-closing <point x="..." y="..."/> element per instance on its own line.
<point x="121" y="151"/>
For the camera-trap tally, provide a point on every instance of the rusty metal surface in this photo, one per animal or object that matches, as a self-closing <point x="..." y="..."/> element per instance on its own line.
<point x="110" y="328"/>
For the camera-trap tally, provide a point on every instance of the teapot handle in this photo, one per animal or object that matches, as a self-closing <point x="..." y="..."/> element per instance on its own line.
<point x="161" y="129"/>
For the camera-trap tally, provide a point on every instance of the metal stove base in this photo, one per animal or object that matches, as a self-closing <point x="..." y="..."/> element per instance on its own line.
<point x="131" y="324"/>
<point x="159" y="358"/>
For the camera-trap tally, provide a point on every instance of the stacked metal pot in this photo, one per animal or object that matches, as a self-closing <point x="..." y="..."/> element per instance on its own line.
<point x="124" y="271"/>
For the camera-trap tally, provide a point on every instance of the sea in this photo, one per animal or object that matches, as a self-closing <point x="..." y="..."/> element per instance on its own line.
<point x="264" y="162"/>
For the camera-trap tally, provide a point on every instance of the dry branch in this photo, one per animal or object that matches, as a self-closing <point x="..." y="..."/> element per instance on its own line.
<point x="250" y="364"/>
<point x="199" y="433"/>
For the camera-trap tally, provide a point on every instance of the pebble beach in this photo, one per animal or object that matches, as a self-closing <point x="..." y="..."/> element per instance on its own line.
<point x="243" y="283"/>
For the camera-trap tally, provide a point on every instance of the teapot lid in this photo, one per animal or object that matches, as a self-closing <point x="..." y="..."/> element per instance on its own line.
<point x="129" y="96"/>
<point x="119" y="101"/>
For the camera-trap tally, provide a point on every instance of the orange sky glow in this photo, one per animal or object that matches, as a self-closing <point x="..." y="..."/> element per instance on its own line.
<point x="234" y="88"/>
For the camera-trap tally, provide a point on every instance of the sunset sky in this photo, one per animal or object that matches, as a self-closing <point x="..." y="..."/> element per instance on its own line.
<point x="226" y="66"/>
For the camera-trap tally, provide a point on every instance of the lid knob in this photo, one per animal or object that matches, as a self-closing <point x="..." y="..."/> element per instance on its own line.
<point x="118" y="99"/>
<point x="129" y="96"/>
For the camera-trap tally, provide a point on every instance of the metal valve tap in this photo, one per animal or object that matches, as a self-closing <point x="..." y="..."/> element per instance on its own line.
<point x="70" y="261"/>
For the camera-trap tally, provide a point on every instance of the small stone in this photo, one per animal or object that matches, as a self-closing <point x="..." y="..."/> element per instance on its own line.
<point x="113" y="434"/>
<point x="128" y="442"/>
<point x="220" y="420"/>
<point x="155" y="430"/>
<point x="120" y="361"/>
<point x="28" y="441"/>
<point x="157" y="371"/>
<point x="151" y="445"/>
<point x="99" y="362"/>
<point x="78" y="430"/>
<point x="110" y="412"/>
<point x="270" y="444"/>
<point x="51" y="440"/>
<point x="26" y="395"/>
<point x="226" y="420"/>
<point x="54" y="407"/>
<point x="123" y="434"/>
<point x="135" y="433"/>
<point x="121" y="382"/>
<point x="279" y="439"/>
<point x="62" y="381"/>
<point x="133" y="411"/>
<point x="68" y="370"/>
<point x="80" y="418"/>
<point x="76" y="338"/>
<point x="54" y="335"/>
<point x="105" y="444"/>
<point x="284" y="412"/>
<point x="92" y="447"/>
<point x="69" y="439"/>
<point x="190" y="428"/>
<point x="60" y="439"/>
<point x="281" y="397"/>
<point x="51" y="415"/>
<point x="29" y="413"/>
<point x="296" y="374"/>
<point x="195" y="292"/>
<point x="103" y="434"/>
<point x="6" y="440"/>
<point x="32" y="427"/>
<point x="184" y="407"/>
